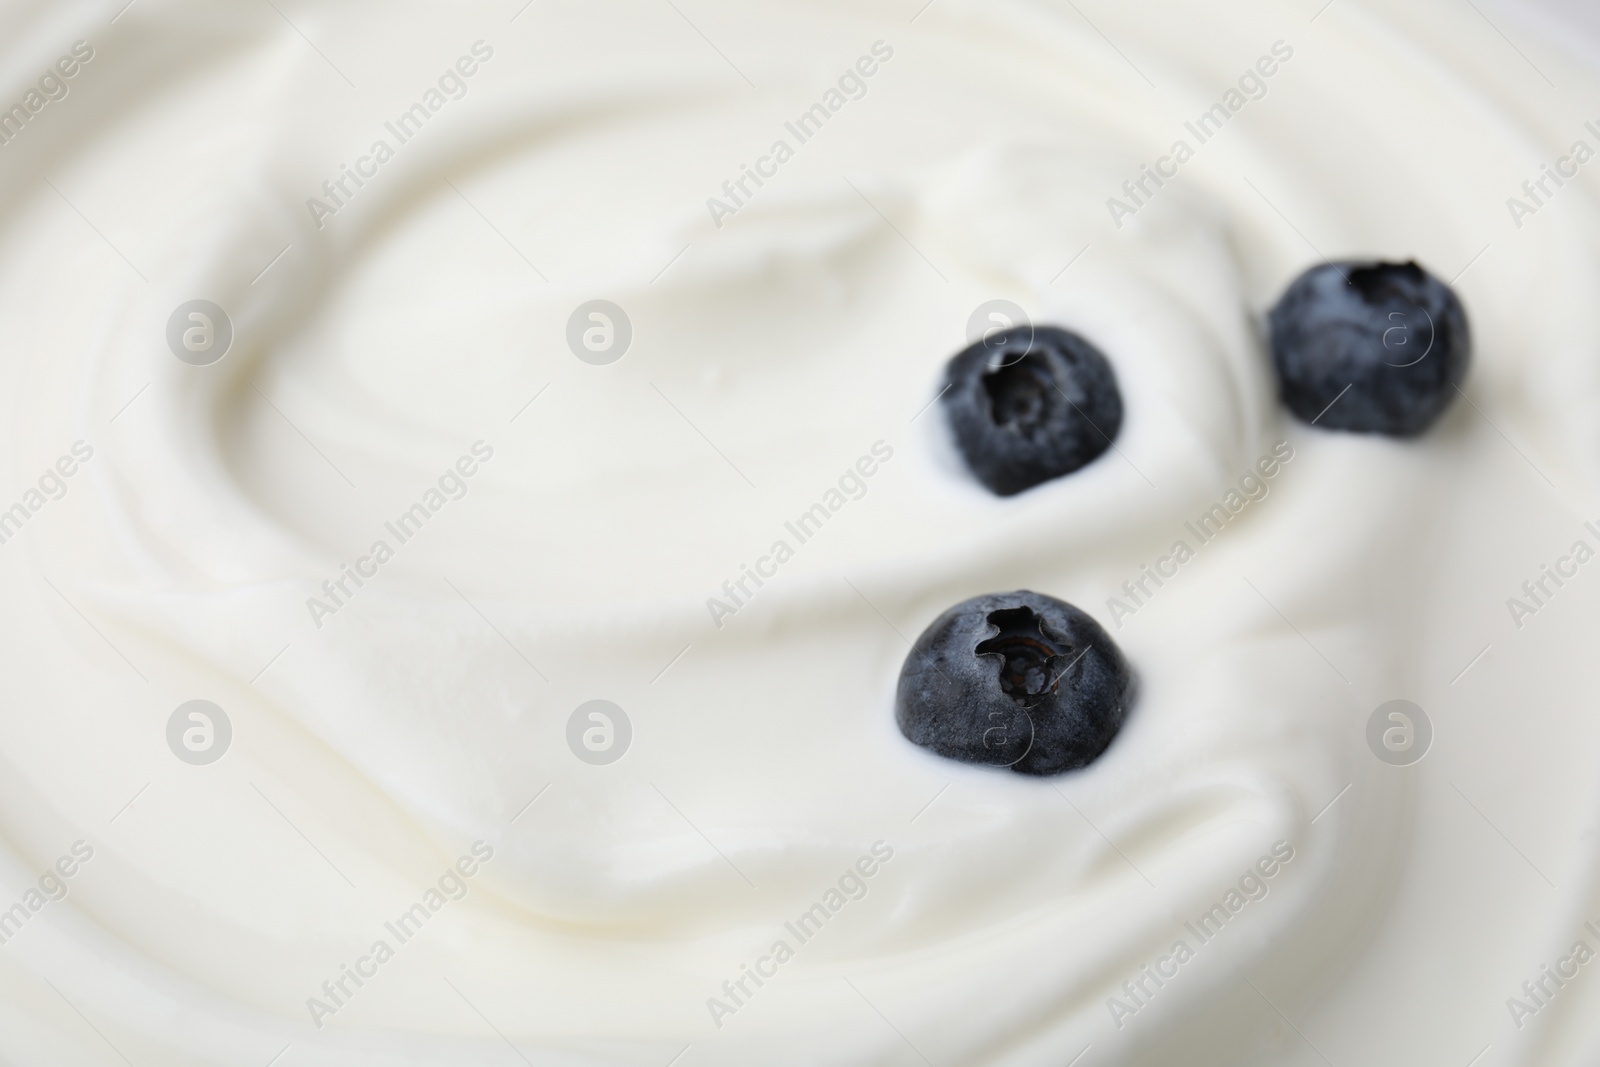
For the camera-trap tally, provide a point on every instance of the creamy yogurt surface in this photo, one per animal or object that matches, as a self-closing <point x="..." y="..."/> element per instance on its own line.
<point x="399" y="381"/>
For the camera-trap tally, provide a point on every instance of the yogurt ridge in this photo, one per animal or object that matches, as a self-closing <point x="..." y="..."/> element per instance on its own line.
<point x="610" y="909"/>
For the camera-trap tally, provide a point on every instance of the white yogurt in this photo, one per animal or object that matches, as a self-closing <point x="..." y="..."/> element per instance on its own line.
<point x="556" y="530"/>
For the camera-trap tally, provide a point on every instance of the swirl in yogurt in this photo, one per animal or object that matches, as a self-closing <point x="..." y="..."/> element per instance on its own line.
<point x="376" y="344"/>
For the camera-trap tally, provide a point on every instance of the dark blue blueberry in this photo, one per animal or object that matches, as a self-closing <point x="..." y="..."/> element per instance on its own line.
<point x="1017" y="680"/>
<point x="1369" y="347"/>
<point x="1029" y="404"/>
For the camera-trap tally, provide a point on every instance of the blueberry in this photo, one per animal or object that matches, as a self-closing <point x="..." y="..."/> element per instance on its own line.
<point x="1017" y="680"/>
<point x="1029" y="404"/>
<point x="1369" y="347"/>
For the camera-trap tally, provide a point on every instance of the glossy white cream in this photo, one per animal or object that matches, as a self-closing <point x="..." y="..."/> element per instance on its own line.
<point x="774" y="348"/>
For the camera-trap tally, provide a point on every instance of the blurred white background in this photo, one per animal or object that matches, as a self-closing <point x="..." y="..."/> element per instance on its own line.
<point x="1559" y="18"/>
